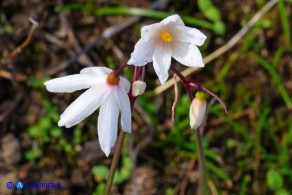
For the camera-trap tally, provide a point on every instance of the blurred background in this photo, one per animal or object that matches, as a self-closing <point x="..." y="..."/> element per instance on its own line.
<point x="247" y="152"/>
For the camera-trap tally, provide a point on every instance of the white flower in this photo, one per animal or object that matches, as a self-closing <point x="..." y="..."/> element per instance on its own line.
<point x="109" y="97"/>
<point x="197" y="110"/>
<point x="169" y="38"/>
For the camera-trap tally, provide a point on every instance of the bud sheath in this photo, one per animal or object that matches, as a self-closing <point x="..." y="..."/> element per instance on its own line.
<point x="197" y="110"/>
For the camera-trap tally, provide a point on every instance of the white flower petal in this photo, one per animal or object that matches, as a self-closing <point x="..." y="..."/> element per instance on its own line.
<point x="189" y="35"/>
<point x="125" y="84"/>
<point x="173" y="19"/>
<point x="108" y="124"/>
<point x="72" y="83"/>
<point x="84" y="105"/>
<point x="187" y="54"/>
<point x="98" y="71"/>
<point x="151" y="31"/>
<point x="124" y="105"/>
<point x="142" y="53"/>
<point x="162" y="61"/>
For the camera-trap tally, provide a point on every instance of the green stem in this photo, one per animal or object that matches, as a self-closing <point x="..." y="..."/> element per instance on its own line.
<point x="201" y="157"/>
<point x="202" y="164"/>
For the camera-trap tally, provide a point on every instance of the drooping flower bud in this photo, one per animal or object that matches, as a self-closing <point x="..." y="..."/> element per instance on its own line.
<point x="138" y="88"/>
<point x="197" y="110"/>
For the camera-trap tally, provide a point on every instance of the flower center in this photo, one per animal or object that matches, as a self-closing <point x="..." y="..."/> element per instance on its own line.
<point x="166" y="36"/>
<point x="113" y="79"/>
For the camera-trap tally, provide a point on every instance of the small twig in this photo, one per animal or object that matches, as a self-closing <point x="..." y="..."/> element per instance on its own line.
<point x="230" y="44"/>
<point x="8" y="75"/>
<point x="184" y="183"/>
<point x="107" y="33"/>
<point x="212" y="188"/>
<point x="249" y="112"/>
<point x="84" y="59"/>
<point x="18" y="49"/>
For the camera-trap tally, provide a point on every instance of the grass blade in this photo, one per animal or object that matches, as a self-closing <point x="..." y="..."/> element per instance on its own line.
<point x="276" y="78"/>
<point x="150" y="13"/>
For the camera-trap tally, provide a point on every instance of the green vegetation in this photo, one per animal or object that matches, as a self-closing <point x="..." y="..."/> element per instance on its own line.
<point x="247" y="151"/>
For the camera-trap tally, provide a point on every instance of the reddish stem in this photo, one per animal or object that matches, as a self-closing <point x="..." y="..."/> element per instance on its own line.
<point x="199" y="87"/>
<point x="184" y="81"/>
<point x="217" y="98"/>
<point x="143" y="73"/>
<point x="121" y="68"/>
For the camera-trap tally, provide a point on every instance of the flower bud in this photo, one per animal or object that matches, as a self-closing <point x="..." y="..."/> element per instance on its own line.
<point x="197" y="110"/>
<point x="138" y="88"/>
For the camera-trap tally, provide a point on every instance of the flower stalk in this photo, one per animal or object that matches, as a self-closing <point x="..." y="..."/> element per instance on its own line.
<point x="114" y="164"/>
<point x="201" y="158"/>
<point x="121" y="138"/>
<point x="202" y="164"/>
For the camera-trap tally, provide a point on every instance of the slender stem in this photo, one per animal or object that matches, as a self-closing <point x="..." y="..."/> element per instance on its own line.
<point x="216" y="97"/>
<point x="202" y="164"/>
<point x="121" y="138"/>
<point x="121" y="68"/>
<point x="184" y="81"/>
<point x="175" y="98"/>
<point x="201" y="88"/>
<point x="143" y="73"/>
<point x="115" y="163"/>
<point x="18" y="49"/>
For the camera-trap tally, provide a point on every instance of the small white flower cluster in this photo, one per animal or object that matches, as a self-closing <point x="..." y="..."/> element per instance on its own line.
<point x="159" y="42"/>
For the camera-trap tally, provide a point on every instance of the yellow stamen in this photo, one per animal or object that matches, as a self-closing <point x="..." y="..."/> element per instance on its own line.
<point x="166" y="36"/>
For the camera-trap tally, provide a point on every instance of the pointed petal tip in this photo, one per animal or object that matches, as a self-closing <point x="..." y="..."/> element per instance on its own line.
<point x="61" y="123"/>
<point x="162" y="82"/>
<point x="106" y="150"/>
<point x="163" y="79"/>
<point x="48" y="85"/>
<point x="131" y="61"/>
<point x="173" y="18"/>
<point x="106" y="154"/>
